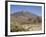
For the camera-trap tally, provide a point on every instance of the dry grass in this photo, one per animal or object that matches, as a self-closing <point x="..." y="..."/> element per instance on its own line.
<point x="17" y="27"/>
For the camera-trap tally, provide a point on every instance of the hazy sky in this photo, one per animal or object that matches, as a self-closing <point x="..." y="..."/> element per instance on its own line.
<point x="34" y="9"/>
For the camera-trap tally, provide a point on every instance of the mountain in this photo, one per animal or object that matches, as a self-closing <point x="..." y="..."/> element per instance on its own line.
<point x="20" y="19"/>
<point x="26" y="16"/>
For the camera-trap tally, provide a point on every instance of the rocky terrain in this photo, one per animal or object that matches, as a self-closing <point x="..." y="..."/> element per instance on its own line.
<point x="25" y="21"/>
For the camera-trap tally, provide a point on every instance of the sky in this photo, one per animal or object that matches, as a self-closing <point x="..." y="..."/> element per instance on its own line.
<point x="37" y="10"/>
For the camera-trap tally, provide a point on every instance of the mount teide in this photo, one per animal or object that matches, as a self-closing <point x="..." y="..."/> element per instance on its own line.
<point x="25" y="21"/>
<point x="26" y="16"/>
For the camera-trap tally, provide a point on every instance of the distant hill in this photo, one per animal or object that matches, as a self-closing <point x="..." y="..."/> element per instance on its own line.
<point x="25" y="21"/>
<point x="26" y="16"/>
